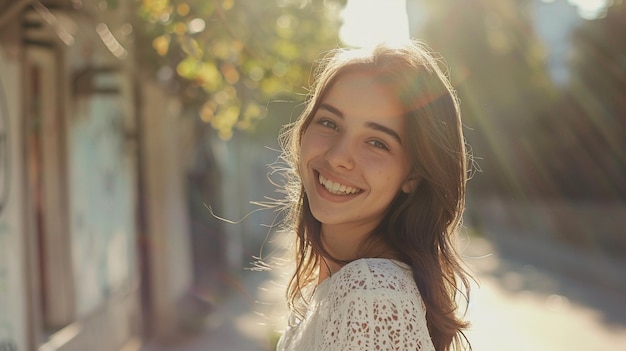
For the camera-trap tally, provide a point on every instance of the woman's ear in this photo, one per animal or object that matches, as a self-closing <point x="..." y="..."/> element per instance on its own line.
<point x="410" y="184"/>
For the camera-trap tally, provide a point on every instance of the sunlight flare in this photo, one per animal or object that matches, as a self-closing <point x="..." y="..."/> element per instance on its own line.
<point x="367" y="22"/>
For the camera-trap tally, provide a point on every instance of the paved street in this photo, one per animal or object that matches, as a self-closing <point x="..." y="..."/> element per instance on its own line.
<point x="518" y="306"/>
<point x="522" y="307"/>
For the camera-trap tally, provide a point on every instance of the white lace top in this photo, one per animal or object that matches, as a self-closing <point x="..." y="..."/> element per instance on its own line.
<point x="369" y="304"/>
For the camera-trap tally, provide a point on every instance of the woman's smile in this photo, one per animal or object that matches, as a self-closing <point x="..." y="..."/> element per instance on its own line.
<point x="337" y="188"/>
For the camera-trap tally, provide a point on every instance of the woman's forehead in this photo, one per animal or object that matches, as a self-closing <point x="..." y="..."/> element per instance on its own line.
<point x="362" y="94"/>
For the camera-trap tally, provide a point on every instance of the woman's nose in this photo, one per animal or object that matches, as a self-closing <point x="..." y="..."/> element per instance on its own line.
<point x="340" y="154"/>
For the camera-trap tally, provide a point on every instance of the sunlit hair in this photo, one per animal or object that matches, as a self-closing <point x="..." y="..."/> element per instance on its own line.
<point x="419" y="227"/>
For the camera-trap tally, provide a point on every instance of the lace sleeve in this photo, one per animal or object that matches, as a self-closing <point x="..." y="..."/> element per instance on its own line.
<point x="383" y="314"/>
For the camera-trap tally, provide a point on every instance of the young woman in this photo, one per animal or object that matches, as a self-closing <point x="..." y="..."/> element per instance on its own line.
<point x="377" y="191"/>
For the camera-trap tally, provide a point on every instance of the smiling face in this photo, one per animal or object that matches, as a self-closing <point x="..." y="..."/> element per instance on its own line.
<point x="352" y="159"/>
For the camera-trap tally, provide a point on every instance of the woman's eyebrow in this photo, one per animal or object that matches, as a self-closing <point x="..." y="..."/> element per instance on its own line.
<point x="331" y="109"/>
<point x="373" y="125"/>
<point x="392" y="133"/>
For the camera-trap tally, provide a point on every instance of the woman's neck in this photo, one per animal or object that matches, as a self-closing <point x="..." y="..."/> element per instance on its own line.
<point x="344" y="244"/>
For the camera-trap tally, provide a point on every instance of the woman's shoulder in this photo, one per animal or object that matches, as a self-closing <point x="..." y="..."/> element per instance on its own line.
<point x="372" y="274"/>
<point x="383" y="286"/>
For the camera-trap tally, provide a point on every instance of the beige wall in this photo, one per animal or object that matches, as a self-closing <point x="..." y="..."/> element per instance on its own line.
<point x="164" y="135"/>
<point x="13" y="264"/>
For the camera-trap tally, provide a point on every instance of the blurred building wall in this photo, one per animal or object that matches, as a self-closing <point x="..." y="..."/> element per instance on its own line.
<point x="94" y="250"/>
<point x="168" y="265"/>
<point x="13" y="277"/>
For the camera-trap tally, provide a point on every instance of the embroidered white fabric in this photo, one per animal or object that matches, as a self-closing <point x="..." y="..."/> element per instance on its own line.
<point x="369" y="304"/>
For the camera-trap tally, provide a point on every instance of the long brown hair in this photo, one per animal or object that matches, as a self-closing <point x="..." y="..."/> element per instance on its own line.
<point x="419" y="227"/>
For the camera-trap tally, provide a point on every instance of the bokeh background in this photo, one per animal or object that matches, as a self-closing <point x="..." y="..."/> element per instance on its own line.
<point x="139" y="142"/>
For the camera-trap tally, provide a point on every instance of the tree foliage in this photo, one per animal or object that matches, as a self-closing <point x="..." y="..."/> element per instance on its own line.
<point x="531" y="137"/>
<point x="229" y="58"/>
<point x="590" y="132"/>
<point x="497" y="63"/>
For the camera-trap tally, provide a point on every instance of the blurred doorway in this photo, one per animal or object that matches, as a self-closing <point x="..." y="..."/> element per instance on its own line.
<point x="52" y="286"/>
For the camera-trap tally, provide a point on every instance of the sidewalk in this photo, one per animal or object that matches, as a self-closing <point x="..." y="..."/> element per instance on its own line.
<point x="529" y="231"/>
<point x="591" y="267"/>
<point x="248" y="318"/>
<point x="526" y="299"/>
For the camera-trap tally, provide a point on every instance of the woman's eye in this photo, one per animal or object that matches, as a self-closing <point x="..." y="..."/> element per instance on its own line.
<point x="378" y="144"/>
<point x="328" y="124"/>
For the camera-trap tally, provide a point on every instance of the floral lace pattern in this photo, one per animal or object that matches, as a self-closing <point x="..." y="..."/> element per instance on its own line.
<point x="370" y="304"/>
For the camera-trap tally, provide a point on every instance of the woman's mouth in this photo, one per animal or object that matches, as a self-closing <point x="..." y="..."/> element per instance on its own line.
<point x="337" y="188"/>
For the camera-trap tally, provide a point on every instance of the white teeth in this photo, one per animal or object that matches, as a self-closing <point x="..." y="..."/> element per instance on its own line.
<point x="336" y="188"/>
